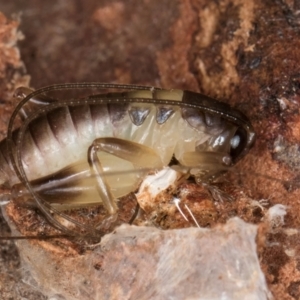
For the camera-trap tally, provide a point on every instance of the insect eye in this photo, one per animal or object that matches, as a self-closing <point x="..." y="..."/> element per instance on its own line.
<point x="235" y="141"/>
<point x="238" y="143"/>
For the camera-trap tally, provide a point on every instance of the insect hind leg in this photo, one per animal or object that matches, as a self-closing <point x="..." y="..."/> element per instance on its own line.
<point x="141" y="156"/>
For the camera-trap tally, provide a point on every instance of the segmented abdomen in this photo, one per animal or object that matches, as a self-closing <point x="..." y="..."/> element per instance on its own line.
<point x="62" y="136"/>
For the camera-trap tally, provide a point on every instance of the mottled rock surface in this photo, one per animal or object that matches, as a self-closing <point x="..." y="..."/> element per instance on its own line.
<point x="148" y="263"/>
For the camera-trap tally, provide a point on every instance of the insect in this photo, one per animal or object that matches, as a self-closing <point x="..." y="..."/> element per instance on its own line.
<point x="91" y="143"/>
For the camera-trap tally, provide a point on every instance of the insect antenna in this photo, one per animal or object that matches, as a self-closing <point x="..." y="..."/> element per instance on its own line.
<point x="36" y="237"/>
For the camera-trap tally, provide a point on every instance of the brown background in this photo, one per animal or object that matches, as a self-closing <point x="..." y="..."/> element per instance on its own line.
<point x="243" y="52"/>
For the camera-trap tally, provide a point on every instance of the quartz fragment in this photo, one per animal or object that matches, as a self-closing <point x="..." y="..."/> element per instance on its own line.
<point x="148" y="263"/>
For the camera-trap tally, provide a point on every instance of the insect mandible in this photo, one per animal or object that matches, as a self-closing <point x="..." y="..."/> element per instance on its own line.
<point x="80" y="145"/>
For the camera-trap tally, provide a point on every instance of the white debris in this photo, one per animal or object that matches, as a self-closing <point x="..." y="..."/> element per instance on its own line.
<point x="154" y="184"/>
<point x="275" y="215"/>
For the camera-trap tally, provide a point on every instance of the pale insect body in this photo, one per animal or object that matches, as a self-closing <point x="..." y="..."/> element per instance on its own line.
<point x="94" y="148"/>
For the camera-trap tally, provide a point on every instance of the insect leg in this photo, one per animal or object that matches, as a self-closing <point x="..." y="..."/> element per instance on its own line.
<point x="139" y="155"/>
<point x="205" y="164"/>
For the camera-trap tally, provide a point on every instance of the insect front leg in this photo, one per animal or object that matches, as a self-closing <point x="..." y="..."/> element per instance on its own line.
<point x="205" y="164"/>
